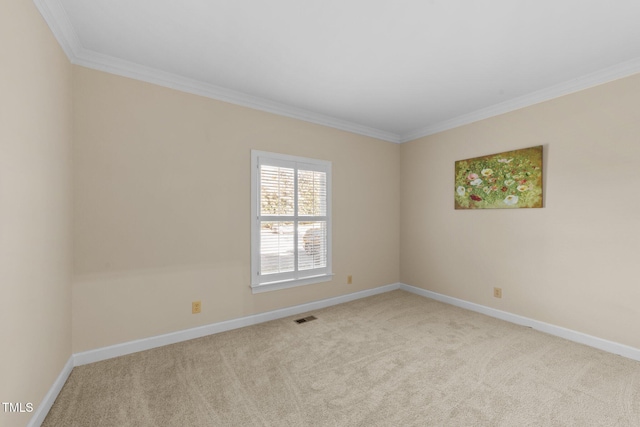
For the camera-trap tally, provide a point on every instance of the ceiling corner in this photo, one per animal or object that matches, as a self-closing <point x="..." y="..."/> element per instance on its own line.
<point x="56" y="18"/>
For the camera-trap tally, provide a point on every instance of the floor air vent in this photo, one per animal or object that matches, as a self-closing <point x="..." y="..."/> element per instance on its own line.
<point x="306" y="319"/>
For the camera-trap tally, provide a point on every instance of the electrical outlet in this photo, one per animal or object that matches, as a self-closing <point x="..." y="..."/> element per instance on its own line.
<point x="349" y="280"/>
<point x="497" y="292"/>
<point x="196" y="307"/>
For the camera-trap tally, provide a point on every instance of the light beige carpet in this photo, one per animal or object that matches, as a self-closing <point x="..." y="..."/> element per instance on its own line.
<point x="394" y="359"/>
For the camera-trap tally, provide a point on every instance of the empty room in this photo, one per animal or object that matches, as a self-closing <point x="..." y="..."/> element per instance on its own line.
<point x="418" y="213"/>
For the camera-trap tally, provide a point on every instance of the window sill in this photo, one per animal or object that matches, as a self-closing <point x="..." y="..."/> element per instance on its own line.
<point x="274" y="286"/>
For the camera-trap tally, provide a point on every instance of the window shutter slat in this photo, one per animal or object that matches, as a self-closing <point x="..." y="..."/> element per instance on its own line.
<point x="291" y="233"/>
<point x="276" y="247"/>
<point x="312" y="239"/>
<point x="276" y="190"/>
<point x="312" y="193"/>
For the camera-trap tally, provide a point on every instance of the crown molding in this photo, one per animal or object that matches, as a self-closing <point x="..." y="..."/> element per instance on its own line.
<point x="58" y="21"/>
<point x="56" y="17"/>
<point x="109" y="64"/>
<point x="605" y="75"/>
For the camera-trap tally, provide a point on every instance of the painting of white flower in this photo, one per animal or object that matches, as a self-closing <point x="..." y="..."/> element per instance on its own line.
<point x="511" y="199"/>
<point x="508" y="180"/>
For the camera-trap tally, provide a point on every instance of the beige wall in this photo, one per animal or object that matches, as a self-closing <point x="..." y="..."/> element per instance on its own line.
<point x="161" y="209"/>
<point x="35" y="189"/>
<point x="573" y="263"/>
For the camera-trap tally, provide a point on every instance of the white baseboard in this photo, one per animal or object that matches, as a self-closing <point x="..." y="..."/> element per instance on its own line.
<point x="109" y="352"/>
<point x="104" y="353"/>
<point x="579" y="337"/>
<point x="201" y="331"/>
<point x="43" y="408"/>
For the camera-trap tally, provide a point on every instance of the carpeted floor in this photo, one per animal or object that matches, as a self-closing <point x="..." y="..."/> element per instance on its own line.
<point x="395" y="359"/>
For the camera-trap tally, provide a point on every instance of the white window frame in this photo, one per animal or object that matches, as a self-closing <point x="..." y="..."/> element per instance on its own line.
<point x="297" y="277"/>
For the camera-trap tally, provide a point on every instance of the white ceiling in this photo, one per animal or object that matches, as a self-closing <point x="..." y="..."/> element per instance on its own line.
<point x="395" y="70"/>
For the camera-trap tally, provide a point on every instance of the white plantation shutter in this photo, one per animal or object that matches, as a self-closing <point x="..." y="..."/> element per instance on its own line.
<point x="291" y="227"/>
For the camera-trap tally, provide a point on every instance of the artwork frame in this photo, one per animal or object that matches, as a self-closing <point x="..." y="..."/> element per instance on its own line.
<point x="507" y="180"/>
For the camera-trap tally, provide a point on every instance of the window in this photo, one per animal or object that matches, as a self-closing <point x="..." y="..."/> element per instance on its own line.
<point x="290" y="221"/>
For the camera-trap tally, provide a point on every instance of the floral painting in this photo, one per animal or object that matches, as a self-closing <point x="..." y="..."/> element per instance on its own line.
<point x="512" y="179"/>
